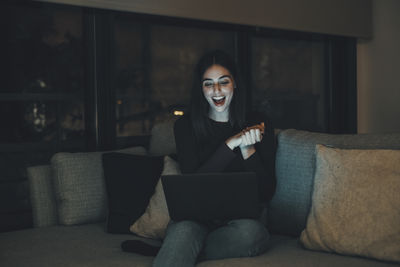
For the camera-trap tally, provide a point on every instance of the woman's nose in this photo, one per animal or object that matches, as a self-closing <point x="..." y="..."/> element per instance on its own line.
<point x="217" y="87"/>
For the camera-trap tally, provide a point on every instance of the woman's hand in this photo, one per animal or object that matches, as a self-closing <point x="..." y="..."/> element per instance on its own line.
<point x="252" y="135"/>
<point x="246" y="139"/>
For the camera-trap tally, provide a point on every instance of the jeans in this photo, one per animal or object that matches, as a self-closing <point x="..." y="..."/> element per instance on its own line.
<point x="187" y="242"/>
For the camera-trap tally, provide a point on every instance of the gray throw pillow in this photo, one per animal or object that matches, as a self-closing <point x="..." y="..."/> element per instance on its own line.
<point x="295" y="166"/>
<point x="79" y="186"/>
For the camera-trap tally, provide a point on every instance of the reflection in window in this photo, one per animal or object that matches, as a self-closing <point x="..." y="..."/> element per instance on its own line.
<point x="42" y="94"/>
<point x="37" y="121"/>
<point x="288" y="82"/>
<point x="155" y="69"/>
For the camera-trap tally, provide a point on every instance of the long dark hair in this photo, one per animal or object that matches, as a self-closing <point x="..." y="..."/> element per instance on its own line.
<point x="199" y="107"/>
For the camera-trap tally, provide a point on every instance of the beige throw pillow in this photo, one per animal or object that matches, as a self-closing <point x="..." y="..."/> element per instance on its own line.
<point x="153" y="223"/>
<point x="356" y="203"/>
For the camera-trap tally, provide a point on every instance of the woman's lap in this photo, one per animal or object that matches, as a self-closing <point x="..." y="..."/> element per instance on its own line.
<point x="188" y="241"/>
<point x="238" y="238"/>
<point x="182" y="244"/>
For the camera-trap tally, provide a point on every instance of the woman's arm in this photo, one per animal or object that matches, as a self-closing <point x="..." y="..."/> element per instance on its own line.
<point x="188" y="151"/>
<point x="262" y="162"/>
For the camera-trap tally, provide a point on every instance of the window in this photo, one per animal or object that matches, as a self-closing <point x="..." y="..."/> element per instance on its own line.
<point x="41" y="97"/>
<point x="288" y="80"/>
<point x="155" y="66"/>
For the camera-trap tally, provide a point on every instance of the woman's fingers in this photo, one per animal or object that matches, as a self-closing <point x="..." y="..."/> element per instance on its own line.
<point x="244" y="140"/>
<point x="260" y="126"/>
<point x="258" y="135"/>
<point x="252" y="134"/>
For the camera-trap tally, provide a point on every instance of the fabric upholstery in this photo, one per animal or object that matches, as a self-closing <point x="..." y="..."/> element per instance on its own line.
<point x="130" y="182"/>
<point x="355" y="203"/>
<point x="162" y="141"/>
<point x="154" y="222"/>
<point x="44" y="210"/>
<point x="79" y="186"/>
<point x="88" y="245"/>
<point x="295" y="166"/>
<point x="67" y="246"/>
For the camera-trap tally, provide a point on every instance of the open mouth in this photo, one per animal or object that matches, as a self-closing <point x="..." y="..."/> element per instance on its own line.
<point x="219" y="100"/>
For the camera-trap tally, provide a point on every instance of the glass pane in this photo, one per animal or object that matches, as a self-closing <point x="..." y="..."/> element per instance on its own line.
<point x="43" y="49"/>
<point x="42" y="94"/>
<point x="155" y="68"/>
<point x="37" y="121"/>
<point x="288" y="82"/>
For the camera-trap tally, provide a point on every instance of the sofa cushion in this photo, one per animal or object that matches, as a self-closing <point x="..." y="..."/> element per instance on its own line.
<point x="295" y="165"/>
<point x="79" y="186"/>
<point x="130" y="182"/>
<point x="154" y="222"/>
<point x="287" y="252"/>
<point x="73" y="246"/>
<point x="355" y="203"/>
<point x="162" y="141"/>
<point x="43" y="201"/>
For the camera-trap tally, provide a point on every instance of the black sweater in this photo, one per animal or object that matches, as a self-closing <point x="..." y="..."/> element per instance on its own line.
<point x="215" y="156"/>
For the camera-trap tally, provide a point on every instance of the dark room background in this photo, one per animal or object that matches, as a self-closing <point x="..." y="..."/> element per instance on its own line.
<point x="84" y="79"/>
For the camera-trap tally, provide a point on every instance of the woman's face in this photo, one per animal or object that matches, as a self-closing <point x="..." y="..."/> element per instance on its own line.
<point x="218" y="86"/>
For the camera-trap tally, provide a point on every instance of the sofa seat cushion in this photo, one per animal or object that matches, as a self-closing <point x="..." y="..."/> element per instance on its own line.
<point x="89" y="245"/>
<point x="84" y="245"/>
<point x="286" y="251"/>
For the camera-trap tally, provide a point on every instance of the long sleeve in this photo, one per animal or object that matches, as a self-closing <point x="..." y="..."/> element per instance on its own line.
<point x="189" y="154"/>
<point x="262" y="162"/>
<point x="215" y="156"/>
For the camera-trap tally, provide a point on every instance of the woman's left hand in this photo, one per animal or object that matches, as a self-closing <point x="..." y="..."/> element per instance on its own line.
<point x="252" y="135"/>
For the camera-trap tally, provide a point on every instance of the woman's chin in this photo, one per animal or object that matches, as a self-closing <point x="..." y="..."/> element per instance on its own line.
<point x="220" y="109"/>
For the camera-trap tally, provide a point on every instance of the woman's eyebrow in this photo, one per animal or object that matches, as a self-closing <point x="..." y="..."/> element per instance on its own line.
<point x="223" y="76"/>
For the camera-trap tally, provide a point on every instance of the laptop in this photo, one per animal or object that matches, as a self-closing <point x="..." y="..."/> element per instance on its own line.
<point x="211" y="196"/>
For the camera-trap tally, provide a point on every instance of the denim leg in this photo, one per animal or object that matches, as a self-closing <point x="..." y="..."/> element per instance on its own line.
<point x="239" y="238"/>
<point x="182" y="244"/>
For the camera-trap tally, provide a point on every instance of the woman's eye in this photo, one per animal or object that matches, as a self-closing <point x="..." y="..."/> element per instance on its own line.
<point x="208" y="84"/>
<point x="224" y="82"/>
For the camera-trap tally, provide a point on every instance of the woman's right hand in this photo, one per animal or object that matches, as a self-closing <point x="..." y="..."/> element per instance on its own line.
<point x="234" y="141"/>
<point x="246" y="137"/>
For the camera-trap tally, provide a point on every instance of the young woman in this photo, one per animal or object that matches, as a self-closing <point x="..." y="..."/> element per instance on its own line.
<point x="219" y="136"/>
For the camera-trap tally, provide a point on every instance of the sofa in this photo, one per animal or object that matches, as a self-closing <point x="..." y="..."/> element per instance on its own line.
<point x="80" y="243"/>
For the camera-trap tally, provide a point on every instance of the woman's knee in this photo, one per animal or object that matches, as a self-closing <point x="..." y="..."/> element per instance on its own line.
<point x="239" y="238"/>
<point x="248" y="229"/>
<point x="185" y="228"/>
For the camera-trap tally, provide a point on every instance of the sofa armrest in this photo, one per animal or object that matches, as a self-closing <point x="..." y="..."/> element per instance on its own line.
<point x="44" y="210"/>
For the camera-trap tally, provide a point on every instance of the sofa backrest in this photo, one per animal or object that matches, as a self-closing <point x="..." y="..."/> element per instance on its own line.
<point x="162" y="141"/>
<point x="288" y="210"/>
<point x="50" y="197"/>
<point x="71" y="190"/>
<point x="43" y="201"/>
<point x="295" y="166"/>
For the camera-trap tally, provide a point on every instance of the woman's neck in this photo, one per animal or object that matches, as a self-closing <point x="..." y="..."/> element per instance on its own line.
<point x="219" y="116"/>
